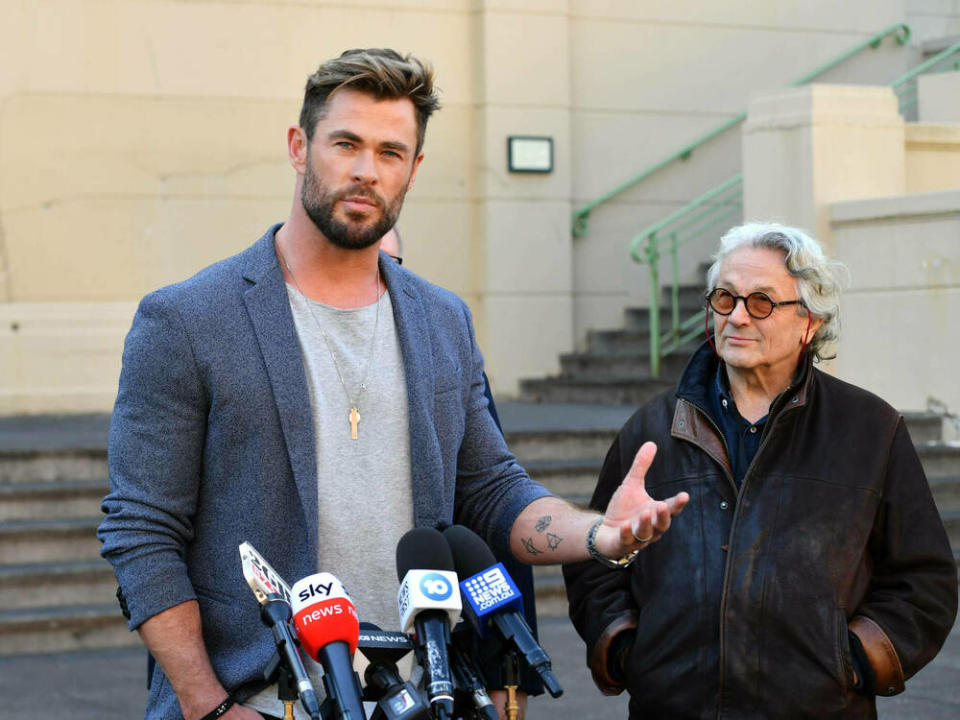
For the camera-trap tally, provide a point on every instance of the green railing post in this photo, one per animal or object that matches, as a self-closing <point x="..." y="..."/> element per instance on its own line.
<point x="675" y="291"/>
<point x="653" y="257"/>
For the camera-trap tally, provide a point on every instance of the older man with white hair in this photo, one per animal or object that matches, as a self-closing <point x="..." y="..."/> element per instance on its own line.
<point x="811" y="571"/>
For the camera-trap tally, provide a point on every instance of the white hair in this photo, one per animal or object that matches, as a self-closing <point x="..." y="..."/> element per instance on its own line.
<point x="819" y="279"/>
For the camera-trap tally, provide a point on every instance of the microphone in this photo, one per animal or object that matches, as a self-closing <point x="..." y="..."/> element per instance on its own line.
<point x="273" y="594"/>
<point x="396" y="699"/>
<point x="470" y="682"/>
<point x="429" y="603"/>
<point x="493" y="602"/>
<point x="328" y="628"/>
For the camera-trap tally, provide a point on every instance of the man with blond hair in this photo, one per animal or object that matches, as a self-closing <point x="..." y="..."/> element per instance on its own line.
<point x="317" y="400"/>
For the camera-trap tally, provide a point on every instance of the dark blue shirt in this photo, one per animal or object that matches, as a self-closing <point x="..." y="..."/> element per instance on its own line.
<point x="741" y="437"/>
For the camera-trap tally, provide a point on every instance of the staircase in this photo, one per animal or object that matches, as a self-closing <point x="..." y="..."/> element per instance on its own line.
<point x="616" y="365"/>
<point x="57" y="594"/>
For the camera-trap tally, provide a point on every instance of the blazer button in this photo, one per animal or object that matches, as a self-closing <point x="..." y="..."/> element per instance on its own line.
<point x="724" y="504"/>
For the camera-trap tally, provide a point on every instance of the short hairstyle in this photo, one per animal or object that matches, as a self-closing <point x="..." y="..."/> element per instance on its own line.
<point x="819" y="279"/>
<point x="381" y="72"/>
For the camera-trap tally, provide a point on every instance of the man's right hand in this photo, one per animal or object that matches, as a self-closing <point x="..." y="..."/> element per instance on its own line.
<point x="175" y="638"/>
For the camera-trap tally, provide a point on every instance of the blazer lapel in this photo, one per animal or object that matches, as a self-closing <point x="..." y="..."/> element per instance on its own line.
<point x="269" y="310"/>
<point x="413" y="332"/>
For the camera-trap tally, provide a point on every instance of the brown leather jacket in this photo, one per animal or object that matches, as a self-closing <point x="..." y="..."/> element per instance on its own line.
<point x="742" y="609"/>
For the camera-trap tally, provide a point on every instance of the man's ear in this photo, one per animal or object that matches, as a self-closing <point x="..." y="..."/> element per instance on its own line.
<point x="413" y="173"/>
<point x="297" y="148"/>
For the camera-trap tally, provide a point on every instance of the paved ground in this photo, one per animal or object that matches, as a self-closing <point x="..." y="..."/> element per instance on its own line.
<point x="109" y="685"/>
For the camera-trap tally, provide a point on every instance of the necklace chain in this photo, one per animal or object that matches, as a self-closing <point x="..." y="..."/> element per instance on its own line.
<point x="354" y="416"/>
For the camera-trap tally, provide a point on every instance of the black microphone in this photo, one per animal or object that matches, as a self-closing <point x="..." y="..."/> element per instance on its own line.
<point x="429" y="603"/>
<point x="273" y="595"/>
<point x="493" y="601"/>
<point x="469" y="681"/>
<point x="396" y="699"/>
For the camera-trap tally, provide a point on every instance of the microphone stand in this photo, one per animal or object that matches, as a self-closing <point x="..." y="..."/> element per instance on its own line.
<point x="286" y="688"/>
<point x="511" y="675"/>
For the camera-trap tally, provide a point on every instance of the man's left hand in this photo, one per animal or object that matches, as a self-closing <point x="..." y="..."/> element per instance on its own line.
<point x="634" y="519"/>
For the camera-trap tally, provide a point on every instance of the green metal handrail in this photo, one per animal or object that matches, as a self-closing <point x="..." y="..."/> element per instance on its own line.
<point x="906" y="89"/>
<point x="712" y="208"/>
<point x="900" y="32"/>
<point x="709" y="209"/>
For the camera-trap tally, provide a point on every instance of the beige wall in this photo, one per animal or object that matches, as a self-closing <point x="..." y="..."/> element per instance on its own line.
<point x="807" y="147"/>
<point x="856" y="179"/>
<point x="143" y="139"/>
<point x="900" y="314"/>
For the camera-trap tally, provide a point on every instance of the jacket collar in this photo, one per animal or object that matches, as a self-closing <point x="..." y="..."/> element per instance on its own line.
<point x="691" y="419"/>
<point x="698" y="376"/>
<point x="269" y="311"/>
<point x="416" y="346"/>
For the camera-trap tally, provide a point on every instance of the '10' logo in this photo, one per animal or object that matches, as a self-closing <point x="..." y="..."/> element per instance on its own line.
<point x="435" y="586"/>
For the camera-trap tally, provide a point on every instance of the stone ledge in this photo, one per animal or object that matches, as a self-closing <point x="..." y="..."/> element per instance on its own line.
<point x="946" y="202"/>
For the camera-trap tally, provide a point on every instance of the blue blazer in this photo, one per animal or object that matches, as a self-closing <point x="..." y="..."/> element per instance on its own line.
<point x="212" y="443"/>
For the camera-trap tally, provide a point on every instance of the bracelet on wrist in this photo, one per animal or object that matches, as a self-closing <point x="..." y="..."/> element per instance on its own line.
<point x="221" y="709"/>
<point x="614" y="564"/>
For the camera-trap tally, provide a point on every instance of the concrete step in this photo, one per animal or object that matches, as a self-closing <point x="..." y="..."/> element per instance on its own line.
<point x="573" y="480"/>
<point x="51" y="499"/>
<point x="550" y="590"/>
<point x="556" y="445"/>
<point x="39" y="541"/>
<point x="638" y="318"/>
<point x="62" y="629"/>
<point x="613" y="390"/>
<point x="623" y="342"/>
<point x="87" y="582"/>
<point x="940" y="459"/>
<point x="951" y="521"/>
<point x="637" y="365"/>
<point x="946" y="492"/>
<point x="924" y="426"/>
<point x="33" y="465"/>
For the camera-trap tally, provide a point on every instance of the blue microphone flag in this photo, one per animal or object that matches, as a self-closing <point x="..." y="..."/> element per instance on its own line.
<point x="488" y="593"/>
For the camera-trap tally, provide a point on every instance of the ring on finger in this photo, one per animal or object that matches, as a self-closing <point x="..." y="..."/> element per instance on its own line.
<point x="642" y="541"/>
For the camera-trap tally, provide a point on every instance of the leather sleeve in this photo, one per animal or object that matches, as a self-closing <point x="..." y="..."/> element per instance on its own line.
<point x="911" y="603"/>
<point x="881" y="654"/>
<point x="601" y="605"/>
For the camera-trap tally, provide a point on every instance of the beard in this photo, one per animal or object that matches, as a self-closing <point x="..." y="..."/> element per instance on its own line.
<point x="319" y="203"/>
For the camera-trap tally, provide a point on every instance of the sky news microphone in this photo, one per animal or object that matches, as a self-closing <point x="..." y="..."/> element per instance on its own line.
<point x="273" y="594"/>
<point x="429" y="603"/>
<point x="328" y="628"/>
<point x="396" y="699"/>
<point x="492" y="602"/>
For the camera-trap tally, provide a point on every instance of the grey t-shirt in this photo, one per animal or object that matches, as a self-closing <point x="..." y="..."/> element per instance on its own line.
<point x="365" y="496"/>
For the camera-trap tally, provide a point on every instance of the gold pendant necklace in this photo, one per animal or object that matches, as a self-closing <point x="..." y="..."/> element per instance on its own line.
<point x="354" y="415"/>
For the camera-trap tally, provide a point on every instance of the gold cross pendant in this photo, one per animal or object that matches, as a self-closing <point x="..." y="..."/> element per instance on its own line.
<point x="354" y="422"/>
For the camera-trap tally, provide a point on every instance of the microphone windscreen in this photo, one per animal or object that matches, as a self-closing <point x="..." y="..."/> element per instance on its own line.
<point x="323" y="613"/>
<point x="471" y="555"/>
<point x="423" y="549"/>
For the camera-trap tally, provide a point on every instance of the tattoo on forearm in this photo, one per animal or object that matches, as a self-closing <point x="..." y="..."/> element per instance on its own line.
<point x="530" y="547"/>
<point x="553" y="540"/>
<point x="543" y="523"/>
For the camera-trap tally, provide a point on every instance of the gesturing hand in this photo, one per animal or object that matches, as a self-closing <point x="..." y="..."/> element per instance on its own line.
<point x="633" y="518"/>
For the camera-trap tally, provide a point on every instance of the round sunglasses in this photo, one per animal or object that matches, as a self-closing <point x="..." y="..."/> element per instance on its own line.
<point x="759" y="305"/>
